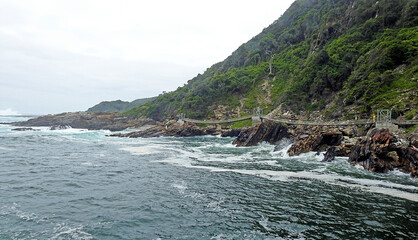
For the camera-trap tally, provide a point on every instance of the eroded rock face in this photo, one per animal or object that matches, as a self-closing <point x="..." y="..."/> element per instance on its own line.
<point x="172" y="128"/>
<point x="266" y="131"/>
<point x="329" y="155"/>
<point x="317" y="142"/>
<point x="231" y="133"/>
<point x="87" y="120"/>
<point x="60" y="127"/>
<point x="380" y="151"/>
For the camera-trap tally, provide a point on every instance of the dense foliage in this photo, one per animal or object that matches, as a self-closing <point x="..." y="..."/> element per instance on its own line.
<point x="118" y="105"/>
<point x="339" y="57"/>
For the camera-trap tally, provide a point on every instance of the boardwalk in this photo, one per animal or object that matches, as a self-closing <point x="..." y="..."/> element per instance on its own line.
<point x="405" y="122"/>
<point x="300" y="122"/>
<point x="217" y="122"/>
<point x="322" y="123"/>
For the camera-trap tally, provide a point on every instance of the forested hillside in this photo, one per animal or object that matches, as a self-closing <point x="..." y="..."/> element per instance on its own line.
<point x="118" y="105"/>
<point x="341" y="58"/>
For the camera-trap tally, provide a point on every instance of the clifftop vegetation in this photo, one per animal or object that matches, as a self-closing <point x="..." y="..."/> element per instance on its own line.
<point x="118" y="105"/>
<point x="337" y="57"/>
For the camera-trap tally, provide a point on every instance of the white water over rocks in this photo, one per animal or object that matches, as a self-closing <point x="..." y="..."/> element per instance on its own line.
<point x="79" y="184"/>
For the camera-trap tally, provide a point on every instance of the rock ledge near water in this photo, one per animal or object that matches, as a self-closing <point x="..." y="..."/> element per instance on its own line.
<point x="172" y="128"/>
<point x="87" y="120"/>
<point x="378" y="151"/>
<point x="381" y="151"/>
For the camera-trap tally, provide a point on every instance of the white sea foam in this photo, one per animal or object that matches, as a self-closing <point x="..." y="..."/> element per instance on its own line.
<point x="374" y="186"/>
<point x="143" y="150"/>
<point x="264" y="223"/>
<point x="194" y="159"/>
<point x="216" y="205"/>
<point x="181" y="187"/>
<point x="62" y="231"/>
<point x="271" y="163"/>
<point x="15" y="210"/>
<point x="70" y="130"/>
<point x="397" y="172"/>
<point x="90" y="164"/>
<point x="283" y="147"/>
<point x="5" y="149"/>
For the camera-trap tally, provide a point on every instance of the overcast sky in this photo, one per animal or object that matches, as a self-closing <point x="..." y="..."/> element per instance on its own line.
<point x="59" y="56"/>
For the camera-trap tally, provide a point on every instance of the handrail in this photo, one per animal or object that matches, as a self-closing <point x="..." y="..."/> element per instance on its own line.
<point x="313" y="123"/>
<point x="300" y="122"/>
<point x="216" y="122"/>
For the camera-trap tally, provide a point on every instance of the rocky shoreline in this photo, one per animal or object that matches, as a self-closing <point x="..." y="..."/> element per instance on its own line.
<point x="377" y="150"/>
<point x="172" y="128"/>
<point x="87" y="120"/>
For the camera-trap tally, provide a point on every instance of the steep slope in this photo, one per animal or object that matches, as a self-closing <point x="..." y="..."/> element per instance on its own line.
<point x="337" y="58"/>
<point x="118" y="105"/>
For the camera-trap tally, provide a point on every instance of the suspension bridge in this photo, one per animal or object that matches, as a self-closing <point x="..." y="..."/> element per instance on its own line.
<point x="383" y="120"/>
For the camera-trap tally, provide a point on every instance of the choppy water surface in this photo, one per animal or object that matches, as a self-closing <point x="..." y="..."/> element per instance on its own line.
<point x="78" y="184"/>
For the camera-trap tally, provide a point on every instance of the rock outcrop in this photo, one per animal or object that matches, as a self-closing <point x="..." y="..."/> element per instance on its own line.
<point x="60" y="127"/>
<point x="88" y="120"/>
<point x="168" y="129"/>
<point x="24" y="129"/>
<point x="329" y="155"/>
<point x="266" y="131"/>
<point x="381" y="151"/>
<point x="173" y="129"/>
<point x="232" y="133"/>
<point x="316" y="142"/>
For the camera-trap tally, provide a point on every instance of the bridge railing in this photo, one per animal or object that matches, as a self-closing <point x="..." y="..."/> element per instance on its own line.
<point x="405" y="122"/>
<point x="320" y="123"/>
<point x="300" y="122"/>
<point x="216" y="121"/>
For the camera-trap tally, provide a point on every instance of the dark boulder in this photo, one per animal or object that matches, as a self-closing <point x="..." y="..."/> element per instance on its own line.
<point x="24" y="129"/>
<point x="329" y="155"/>
<point x="190" y="130"/>
<point x="380" y="151"/>
<point x="316" y="142"/>
<point x="169" y="128"/>
<point x="409" y="156"/>
<point x="232" y="133"/>
<point x="266" y="131"/>
<point x="60" y="127"/>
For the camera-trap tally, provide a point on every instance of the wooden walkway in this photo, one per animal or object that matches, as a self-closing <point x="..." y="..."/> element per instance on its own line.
<point x="217" y="122"/>
<point x="299" y="122"/>
<point x="405" y="122"/>
<point x="313" y="123"/>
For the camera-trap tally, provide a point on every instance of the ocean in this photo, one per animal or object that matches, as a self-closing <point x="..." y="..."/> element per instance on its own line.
<point x="79" y="184"/>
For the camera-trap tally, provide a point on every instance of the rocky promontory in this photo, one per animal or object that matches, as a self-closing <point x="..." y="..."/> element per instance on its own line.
<point x="377" y="150"/>
<point x="87" y="120"/>
<point x="265" y="132"/>
<point x="382" y="151"/>
<point x="173" y="128"/>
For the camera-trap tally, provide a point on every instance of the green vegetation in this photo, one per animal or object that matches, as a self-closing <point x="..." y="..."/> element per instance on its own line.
<point x="118" y="105"/>
<point x="335" y="56"/>
<point x="411" y="130"/>
<point x="242" y="124"/>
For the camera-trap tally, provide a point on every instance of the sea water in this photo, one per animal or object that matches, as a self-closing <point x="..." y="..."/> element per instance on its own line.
<point x="79" y="184"/>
